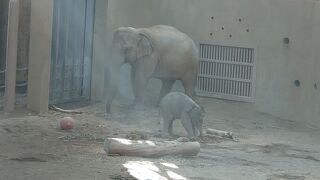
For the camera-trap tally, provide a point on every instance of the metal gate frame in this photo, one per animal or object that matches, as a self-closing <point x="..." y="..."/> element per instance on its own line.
<point x="227" y="96"/>
<point x="86" y="57"/>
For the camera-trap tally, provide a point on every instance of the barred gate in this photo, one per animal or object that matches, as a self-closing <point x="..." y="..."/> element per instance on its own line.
<point x="71" y="50"/>
<point x="226" y="72"/>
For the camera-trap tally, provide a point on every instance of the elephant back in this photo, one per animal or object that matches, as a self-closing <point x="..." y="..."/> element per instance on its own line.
<point x="163" y="36"/>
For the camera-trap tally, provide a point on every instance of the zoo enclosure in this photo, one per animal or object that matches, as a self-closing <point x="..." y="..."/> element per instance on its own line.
<point x="14" y="42"/>
<point x="226" y="72"/>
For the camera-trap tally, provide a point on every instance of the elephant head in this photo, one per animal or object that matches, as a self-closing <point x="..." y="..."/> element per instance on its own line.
<point x="196" y="114"/>
<point x="129" y="45"/>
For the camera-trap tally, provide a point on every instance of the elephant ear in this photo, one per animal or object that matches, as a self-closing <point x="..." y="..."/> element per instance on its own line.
<point x="145" y="47"/>
<point x="194" y="112"/>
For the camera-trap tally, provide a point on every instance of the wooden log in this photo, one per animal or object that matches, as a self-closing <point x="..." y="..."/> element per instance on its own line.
<point x="220" y="133"/>
<point x="55" y="108"/>
<point x="143" y="148"/>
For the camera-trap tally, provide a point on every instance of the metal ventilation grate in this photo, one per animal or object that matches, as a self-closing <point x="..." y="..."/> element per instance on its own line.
<point x="226" y="72"/>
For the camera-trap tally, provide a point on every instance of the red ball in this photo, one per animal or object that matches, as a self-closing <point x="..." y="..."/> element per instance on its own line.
<point x="66" y="123"/>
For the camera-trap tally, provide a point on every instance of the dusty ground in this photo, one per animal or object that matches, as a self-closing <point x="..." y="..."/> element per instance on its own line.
<point x="33" y="148"/>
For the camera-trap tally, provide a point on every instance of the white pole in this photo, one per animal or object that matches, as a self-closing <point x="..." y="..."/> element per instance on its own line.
<point x="11" y="55"/>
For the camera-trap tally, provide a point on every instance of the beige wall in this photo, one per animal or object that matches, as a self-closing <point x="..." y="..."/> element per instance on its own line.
<point x="278" y="64"/>
<point x="40" y="55"/>
<point x="268" y="22"/>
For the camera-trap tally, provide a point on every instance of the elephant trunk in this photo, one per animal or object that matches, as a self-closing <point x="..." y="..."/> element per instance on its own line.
<point x="112" y="74"/>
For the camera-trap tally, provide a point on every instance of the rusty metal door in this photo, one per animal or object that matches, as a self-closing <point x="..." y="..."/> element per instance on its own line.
<point x="71" y="50"/>
<point x="226" y="72"/>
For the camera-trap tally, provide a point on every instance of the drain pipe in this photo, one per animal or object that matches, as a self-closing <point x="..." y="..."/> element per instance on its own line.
<point x="11" y="55"/>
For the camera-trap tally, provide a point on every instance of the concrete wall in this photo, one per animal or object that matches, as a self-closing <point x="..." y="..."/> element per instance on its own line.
<point x="40" y="55"/>
<point x="278" y="64"/>
<point x="268" y="22"/>
<point x="261" y="24"/>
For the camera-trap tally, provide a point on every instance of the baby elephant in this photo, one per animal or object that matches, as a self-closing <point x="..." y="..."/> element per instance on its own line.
<point x="177" y="105"/>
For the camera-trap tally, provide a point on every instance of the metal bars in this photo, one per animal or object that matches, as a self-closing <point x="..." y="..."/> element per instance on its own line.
<point x="226" y="72"/>
<point x="71" y="50"/>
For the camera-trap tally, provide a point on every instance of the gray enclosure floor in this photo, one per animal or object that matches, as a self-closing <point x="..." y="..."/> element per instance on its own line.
<point x="32" y="147"/>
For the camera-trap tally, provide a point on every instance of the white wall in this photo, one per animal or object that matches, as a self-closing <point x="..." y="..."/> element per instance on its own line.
<point x="268" y="22"/>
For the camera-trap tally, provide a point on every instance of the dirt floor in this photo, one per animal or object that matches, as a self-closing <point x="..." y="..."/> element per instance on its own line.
<point x="32" y="147"/>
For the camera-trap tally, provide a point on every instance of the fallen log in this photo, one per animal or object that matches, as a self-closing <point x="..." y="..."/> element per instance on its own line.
<point x="220" y="133"/>
<point x="143" y="148"/>
<point x="55" y="108"/>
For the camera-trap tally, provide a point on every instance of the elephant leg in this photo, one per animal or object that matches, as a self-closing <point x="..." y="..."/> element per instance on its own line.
<point x="170" y="127"/>
<point x="144" y="69"/>
<point x="133" y="74"/>
<point x="188" y="84"/>
<point x="167" y="126"/>
<point x="110" y="86"/>
<point x="194" y="130"/>
<point x="108" y="107"/>
<point x="165" y="89"/>
<point x="195" y="127"/>
<point x="187" y="124"/>
<point x="140" y="85"/>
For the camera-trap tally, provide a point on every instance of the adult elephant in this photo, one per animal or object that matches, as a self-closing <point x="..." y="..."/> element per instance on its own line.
<point x="162" y="52"/>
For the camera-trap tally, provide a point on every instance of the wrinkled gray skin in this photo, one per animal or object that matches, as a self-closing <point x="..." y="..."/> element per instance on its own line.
<point x="160" y="52"/>
<point x="177" y="105"/>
